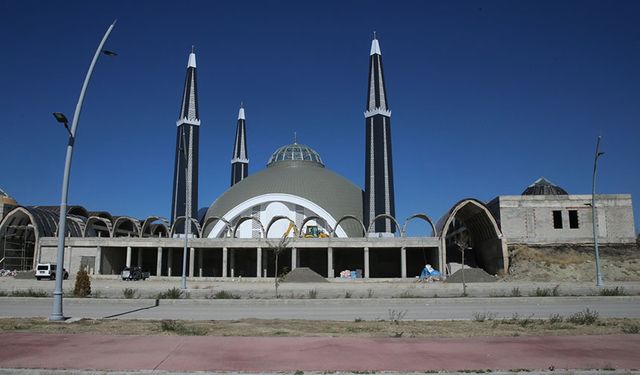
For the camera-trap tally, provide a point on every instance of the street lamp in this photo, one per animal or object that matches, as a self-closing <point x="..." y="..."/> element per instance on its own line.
<point x="56" y="314"/>
<point x="594" y="216"/>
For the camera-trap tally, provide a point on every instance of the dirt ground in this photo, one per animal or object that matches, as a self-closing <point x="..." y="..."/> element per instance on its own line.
<point x="393" y="327"/>
<point x="572" y="264"/>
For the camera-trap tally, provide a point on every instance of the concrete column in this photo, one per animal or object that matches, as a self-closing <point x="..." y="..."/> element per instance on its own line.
<point x="330" y="271"/>
<point x="366" y="262"/>
<point x="259" y="262"/>
<point x="200" y="265"/>
<point x="403" y="262"/>
<point x="225" y="256"/>
<point x="294" y="258"/>
<point x="98" y="261"/>
<point x="140" y="257"/>
<point x="128" y="262"/>
<point x="169" y="262"/>
<point x="192" y="261"/>
<point x="159" y="263"/>
<point x="232" y="262"/>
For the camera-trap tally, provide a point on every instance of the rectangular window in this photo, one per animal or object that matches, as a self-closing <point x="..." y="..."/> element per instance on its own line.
<point x="573" y="219"/>
<point x="557" y="219"/>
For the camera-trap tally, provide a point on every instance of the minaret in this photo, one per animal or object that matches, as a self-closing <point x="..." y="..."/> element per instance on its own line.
<point x="240" y="160"/>
<point x="379" y="196"/>
<point x="185" y="174"/>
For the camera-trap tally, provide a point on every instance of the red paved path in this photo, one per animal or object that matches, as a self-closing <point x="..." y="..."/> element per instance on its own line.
<point x="180" y="353"/>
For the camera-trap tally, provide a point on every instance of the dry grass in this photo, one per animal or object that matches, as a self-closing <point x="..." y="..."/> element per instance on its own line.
<point x="256" y="327"/>
<point x="565" y="263"/>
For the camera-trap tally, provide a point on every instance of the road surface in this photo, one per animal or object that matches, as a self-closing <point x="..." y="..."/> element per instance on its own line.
<point x="324" y="309"/>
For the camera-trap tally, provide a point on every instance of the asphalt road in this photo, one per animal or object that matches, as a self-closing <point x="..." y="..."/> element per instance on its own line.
<point x="324" y="309"/>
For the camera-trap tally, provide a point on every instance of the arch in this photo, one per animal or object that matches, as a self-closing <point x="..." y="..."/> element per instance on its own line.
<point x="212" y="219"/>
<point x="425" y="217"/>
<point x="123" y="220"/>
<point x="194" y="223"/>
<point x="274" y="219"/>
<point x="488" y="243"/>
<point x="245" y="218"/>
<point x="348" y="217"/>
<point x="90" y="226"/>
<point x="313" y="217"/>
<point x="16" y="230"/>
<point x="385" y="216"/>
<point x="102" y="214"/>
<point x="241" y="208"/>
<point x="78" y="211"/>
<point x="151" y="223"/>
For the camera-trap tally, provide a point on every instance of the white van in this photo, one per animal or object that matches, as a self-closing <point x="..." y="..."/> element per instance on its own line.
<point x="48" y="270"/>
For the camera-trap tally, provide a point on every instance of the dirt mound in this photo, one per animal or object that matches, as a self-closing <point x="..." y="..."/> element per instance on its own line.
<point x="471" y="275"/>
<point x="303" y="275"/>
<point x="572" y="263"/>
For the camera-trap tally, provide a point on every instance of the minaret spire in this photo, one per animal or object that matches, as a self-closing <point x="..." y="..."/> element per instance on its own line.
<point x="379" y="192"/>
<point x="185" y="175"/>
<point x="240" y="158"/>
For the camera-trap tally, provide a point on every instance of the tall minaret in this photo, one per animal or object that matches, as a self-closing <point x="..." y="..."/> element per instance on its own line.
<point x="185" y="174"/>
<point x="240" y="160"/>
<point x="379" y="196"/>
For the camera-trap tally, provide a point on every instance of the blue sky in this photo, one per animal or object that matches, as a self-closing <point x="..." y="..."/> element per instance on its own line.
<point x="486" y="96"/>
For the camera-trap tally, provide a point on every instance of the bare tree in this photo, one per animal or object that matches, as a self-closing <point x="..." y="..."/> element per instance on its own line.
<point x="462" y="242"/>
<point x="278" y="248"/>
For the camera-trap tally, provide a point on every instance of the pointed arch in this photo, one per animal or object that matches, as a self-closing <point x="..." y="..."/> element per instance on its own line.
<point x="488" y="244"/>
<point x="246" y="218"/>
<point x="213" y="219"/>
<point x="152" y="223"/>
<point x="348" y="217"/>
<point x="179" y="221"/>
<point x="280" y="217"/>
<point x="90" y="226"/>
<point x="385" y="216"/>
<point x="425" y="217"/>
<point x="122" y="222"/>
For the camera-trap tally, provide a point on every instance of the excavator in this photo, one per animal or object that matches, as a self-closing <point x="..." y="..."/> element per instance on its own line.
<point x="313" y="231"/>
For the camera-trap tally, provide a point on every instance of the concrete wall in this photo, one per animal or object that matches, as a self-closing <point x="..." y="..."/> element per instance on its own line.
<point x="529" y="218"/>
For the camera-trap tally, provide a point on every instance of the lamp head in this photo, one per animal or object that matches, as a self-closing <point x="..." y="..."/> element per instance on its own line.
<point x="61" y="117"/>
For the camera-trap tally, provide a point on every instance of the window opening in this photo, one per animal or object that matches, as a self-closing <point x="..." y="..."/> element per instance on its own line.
<point x="557" y="219"/>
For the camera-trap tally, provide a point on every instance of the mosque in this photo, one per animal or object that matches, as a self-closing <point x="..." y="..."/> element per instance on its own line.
<point x="331" y="224"/>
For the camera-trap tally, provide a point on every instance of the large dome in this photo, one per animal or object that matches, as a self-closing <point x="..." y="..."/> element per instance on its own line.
<point x="295" y="151"/>
<point x="307" y="180"/>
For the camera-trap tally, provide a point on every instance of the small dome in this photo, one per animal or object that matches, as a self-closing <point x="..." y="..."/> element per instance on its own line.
<point x="295" y="151"/>
<point x="542" y="186"/>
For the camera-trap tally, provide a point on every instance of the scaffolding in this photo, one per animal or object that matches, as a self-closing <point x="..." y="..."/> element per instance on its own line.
<point x="18" y="244"/>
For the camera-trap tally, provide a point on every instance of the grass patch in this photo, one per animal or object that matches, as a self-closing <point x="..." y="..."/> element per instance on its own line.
<point x="29" y="293"/>
<point x="407" y="294"/>
<point x="481" y="317"/>
<point x="585" y="317"/>
<point x="547" y="292"/>
<point x="179" y="328"/>
<point x="173" y="293"/>
<point x="130" y="293"/>
<point x="617" y="291"/>
<point x="223" y="294"/>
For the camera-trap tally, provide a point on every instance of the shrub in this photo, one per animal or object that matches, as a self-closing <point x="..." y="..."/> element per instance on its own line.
<point x="515" y="292"/>
<point x="632" y="329"/>
<point x="180" y="329"/>
<point x="130" y="293"/>
<point x="83" y="284"/>
<point x="617" y="291"/>
<point x="173" y="293"/>
<point x="223" y="294"/>
<point x="29" y="293"/>
<point x="555" y="318"/>
<point x="585" y="317"/>
<point x="347" y="294"/>
<point x="313" y="294"/>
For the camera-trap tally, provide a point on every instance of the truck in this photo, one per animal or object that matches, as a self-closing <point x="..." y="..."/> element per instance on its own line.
<point x="134" y="273"/>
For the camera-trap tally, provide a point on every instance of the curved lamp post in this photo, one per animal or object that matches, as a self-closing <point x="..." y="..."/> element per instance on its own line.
<point x="56" y="314"/>
<point x="599" y="281"/>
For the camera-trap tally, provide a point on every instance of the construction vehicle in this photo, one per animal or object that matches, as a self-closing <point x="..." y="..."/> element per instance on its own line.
<point x="313" y="231"/>
<point x="291" y="226"/>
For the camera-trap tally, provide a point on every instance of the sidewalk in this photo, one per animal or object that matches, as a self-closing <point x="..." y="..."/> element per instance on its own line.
<point x="289" y="354"/>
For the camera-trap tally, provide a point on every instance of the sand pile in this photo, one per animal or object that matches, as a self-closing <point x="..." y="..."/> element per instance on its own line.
<point x="303" y="275"/>
<point x="471" y="275"/>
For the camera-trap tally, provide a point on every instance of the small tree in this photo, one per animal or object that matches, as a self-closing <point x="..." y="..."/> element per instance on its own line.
<point x="462" y="243"/>
<point x="83" y="283"/>
<point x="278" y="248"/>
